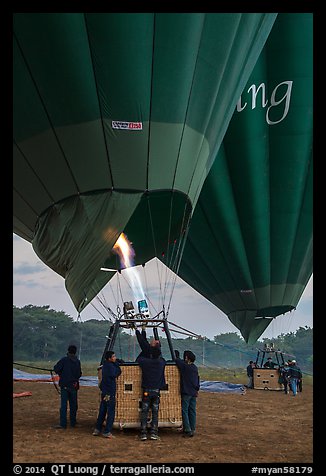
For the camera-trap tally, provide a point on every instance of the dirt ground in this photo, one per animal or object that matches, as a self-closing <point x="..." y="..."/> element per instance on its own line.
<point x="256" y="427"/>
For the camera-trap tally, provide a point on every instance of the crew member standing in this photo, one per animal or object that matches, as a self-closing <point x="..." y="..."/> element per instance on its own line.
<point x="153" y="380"/>
<point x="69" y="370"/>
<point x="250" y="374"/>
<point x="189" y="390"/>
<point x="110" y="372"/>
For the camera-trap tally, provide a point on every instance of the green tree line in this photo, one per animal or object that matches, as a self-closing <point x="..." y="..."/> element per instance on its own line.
<point x="43" y="334"/>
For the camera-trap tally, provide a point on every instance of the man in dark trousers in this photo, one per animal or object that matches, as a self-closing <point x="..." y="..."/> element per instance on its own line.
<point x="294" y="375"/>
<point x="250" y="374"/>
<point x="284" y="376"/>
<point x="110" y="372"/>
<point x="69" y="370"/>
<point x="189" y="390"/>
<point x="153" y="380"/>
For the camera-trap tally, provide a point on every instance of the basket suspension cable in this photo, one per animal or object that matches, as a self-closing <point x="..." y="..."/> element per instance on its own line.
<point x="93" y="305"/>
<point x="168" y="243"/>
<point x="184" y="229"/>
<point x="104" y="303"/>
<point x="126" y="280"/>
<point x="175" y="261"/>
<point x="106" y="307"/>
<point x="151" y="302"/>
<point x="145" y="278"/>
<point x="193" y="334"/>
<point x="176" y="253"/>
<point x="130" y="287"/>
<point x="81" y="334"/>
<point x="155" y="249"/>
<point x="181" y="332"/>
<point x="102" y="300"/>
<point x="146" y="293"/>
<point x="166" y="270"/>
<point x="119" y="340"/>
<point x="169" y="271"/>
<point x="180" y="246"/>
<point x="170" y="255"/>
<point x="119" y="286"/>
<point x="117" y="291"/>
<point x="114" y="296"/>
<point x="168" y="274"/>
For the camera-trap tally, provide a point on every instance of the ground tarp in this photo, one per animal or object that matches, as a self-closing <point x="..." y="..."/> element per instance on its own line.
<point x="90" y="381"/>
<point x="225" y="387"/>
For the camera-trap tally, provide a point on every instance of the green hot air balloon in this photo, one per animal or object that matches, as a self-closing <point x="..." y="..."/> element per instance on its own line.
<point x="118" y="118"/>
<point x="249" y="247"/>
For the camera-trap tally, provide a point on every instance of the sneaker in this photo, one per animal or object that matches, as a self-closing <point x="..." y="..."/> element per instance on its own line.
<point x="188" y="434"/>
<point x="108" y="435"/>
<point x="59" y="427"/>
<point x="154" y="436"/>
<point x="143" y="436"/>
<point x="96" y="432"/>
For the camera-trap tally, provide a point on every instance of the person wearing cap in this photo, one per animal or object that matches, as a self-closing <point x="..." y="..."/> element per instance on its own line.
<point x="189" y="380"/>
<point x="284" y="374"/>
<point x="295" y="375"/>
<point x="69" y="370"/>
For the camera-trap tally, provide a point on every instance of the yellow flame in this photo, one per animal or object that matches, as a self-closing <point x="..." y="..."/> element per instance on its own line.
<point x="124" y="249"/>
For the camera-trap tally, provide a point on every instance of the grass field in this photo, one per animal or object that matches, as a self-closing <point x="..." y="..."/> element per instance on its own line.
<point x="232" y="375"/>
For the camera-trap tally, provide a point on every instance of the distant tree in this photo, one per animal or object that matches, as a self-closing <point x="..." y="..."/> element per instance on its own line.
<point x="41" y="333"/>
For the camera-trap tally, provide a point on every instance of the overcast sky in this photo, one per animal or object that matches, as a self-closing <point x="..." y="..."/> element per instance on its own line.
<point x="34" y="283"/>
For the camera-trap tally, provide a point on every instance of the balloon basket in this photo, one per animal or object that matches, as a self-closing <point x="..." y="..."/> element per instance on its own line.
<point x="129" y="396"/>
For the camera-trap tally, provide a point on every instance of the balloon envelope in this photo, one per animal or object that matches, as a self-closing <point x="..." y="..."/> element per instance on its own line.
<point x="118" y="118"/>
<point x="249" y="247"/>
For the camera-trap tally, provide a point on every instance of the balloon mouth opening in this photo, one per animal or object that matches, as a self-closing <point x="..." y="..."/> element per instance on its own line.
<point x="273" y="311"/>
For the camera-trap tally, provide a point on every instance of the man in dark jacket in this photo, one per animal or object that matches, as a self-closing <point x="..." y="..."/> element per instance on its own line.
<point x="250" y="374"/>
<point x="110" y="372"/>
<point x="144" y="344"/>
<point x="153" y="380"/>
<point x="295" y="375"/>
<point x="189" y="390"/>
<point x="69" y="370"/>
<point x="285" y="376"/>
<point x="269" y="364"/>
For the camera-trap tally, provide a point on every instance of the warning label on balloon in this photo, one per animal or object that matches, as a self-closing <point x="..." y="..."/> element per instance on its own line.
<point x="134" y="126"/>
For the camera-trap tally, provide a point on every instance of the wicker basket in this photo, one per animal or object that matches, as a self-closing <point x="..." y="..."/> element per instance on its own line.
<point x="129" y="395"/>
<point x="267" y="379"/>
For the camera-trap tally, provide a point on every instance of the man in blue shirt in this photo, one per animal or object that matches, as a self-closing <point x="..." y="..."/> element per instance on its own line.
<point x="153" y="380"/>
<point x="69" y="370"/>
<point x="110" y="372"/>
<point x="189" y="390"/>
